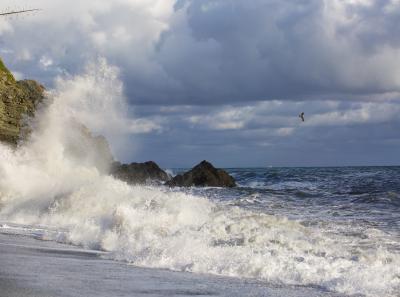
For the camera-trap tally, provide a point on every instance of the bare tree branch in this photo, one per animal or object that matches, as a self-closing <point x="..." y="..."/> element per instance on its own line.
<point x="17" y="12"/>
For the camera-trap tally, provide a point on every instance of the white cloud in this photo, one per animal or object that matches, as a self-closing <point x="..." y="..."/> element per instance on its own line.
<point x="5" y="27"/>
<point x="230" y="118"/>
<point x="45" y="62"/>
<point x="218" y="51"/>
<point x="285" y="131"/>
<point x="143" y="126"/>
<point x="361" y="113"/>
<point x="392" y="6"/>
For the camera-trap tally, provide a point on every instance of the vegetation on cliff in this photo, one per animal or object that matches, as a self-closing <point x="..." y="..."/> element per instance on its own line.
<point x="18" y="101"/>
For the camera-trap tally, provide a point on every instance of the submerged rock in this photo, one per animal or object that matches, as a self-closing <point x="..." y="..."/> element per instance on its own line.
<point x="139" y="173"/>
<point x="203" y="174"/>
<point x="18" y="100"/>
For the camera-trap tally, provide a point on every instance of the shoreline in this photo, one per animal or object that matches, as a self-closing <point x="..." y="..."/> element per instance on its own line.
<point x="34" y="268"/>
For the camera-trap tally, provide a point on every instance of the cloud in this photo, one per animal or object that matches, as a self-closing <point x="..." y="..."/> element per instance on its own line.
<point x="143" y="126"/>
<point x="228" y="119"/>
<point x="235" y="51"/>
<point x="226" y="79"/>
<point x="5" y="27"/>
<point x="360" y="113"/>
<point x="271" y="133"/>
<point x="218" y="51"/>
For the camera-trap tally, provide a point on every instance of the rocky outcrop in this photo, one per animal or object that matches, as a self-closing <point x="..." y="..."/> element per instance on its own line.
<point x="139" y="173"/>
<point x="84" y="148"/>
<point x="18" y="100"/>
<point x="204" y="175"/>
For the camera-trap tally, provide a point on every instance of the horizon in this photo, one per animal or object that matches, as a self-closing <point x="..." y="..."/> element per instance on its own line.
<point x="306" y="167"/>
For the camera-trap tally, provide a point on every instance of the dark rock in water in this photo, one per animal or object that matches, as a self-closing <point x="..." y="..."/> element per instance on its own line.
<point x="203" y="174"/>
<point x="18" y="100"/>
<point x="139" y="173"/>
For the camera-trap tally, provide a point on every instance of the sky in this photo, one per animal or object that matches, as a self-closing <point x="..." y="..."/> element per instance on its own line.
<point x="225" y="80"/>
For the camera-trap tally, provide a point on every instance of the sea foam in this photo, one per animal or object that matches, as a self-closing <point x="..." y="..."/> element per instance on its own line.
<point x="70" y="200"/>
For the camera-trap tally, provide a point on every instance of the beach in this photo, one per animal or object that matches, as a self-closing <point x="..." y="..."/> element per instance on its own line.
<point x="34" y="268"/>
<point x="200" y="148"/>
<point x="281" y="232"/>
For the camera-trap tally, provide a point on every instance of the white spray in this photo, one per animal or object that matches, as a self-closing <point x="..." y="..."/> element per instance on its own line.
<point x="54" y="182"/>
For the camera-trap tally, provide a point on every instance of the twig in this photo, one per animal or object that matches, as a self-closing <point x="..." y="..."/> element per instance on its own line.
<point x="17" y="12"/>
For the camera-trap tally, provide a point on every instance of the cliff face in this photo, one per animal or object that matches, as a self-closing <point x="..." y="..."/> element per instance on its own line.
<point x="18" y="99"/>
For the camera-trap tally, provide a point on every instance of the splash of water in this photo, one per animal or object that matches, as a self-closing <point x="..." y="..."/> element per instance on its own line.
<point x="54" y="182"/>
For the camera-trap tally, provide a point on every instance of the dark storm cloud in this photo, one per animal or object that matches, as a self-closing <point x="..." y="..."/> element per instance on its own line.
<point x="230" y="51"/>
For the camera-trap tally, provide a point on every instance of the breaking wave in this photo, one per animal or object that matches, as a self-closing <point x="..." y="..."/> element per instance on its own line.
<point x="67" y="197"/>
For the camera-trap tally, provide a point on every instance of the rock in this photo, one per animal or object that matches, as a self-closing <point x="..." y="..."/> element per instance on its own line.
<point x="139" y="173"/>
<point x="84" y="148"/>
<point x="203" y="174"/>
<point x="18" y="100"/>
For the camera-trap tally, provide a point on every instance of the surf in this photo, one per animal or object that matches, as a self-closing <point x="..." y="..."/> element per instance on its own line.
<point x="67" y="197"/>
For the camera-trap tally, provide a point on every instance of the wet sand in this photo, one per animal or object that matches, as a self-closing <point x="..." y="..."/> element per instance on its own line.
<point x="34" y="268"/>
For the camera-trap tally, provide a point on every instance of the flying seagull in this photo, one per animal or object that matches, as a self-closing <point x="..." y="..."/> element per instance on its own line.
<point x="18" y="11"/>
<point x="301" y="116"/>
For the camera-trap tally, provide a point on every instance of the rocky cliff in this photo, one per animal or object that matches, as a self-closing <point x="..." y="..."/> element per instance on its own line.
<point x="18" y="100"/>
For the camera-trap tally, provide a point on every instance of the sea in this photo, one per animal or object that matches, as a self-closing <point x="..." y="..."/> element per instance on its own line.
<point x="281" y="232"/>
<point x="336" y="229"/>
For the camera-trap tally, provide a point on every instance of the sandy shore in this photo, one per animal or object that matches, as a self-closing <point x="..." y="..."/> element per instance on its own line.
<point x="34" y="268"/>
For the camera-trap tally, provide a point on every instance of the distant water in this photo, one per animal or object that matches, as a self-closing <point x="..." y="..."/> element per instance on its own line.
<point x="333" y="228"/>
<point x="366" y="197"/>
